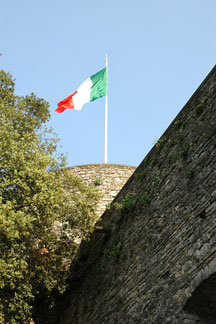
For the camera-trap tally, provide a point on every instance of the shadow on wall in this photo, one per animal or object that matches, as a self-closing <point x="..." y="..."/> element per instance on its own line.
<point x="203" y="301"/>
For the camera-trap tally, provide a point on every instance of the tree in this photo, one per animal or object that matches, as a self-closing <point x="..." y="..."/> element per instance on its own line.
<point x="43" y="207"/>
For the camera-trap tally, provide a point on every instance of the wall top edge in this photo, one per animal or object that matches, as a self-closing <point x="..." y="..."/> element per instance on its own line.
<point x="101" y="165"/>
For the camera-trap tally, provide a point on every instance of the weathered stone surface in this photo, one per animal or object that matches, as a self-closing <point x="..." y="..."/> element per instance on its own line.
<point x="159" y="263"/>
<point x="108" y="178"/>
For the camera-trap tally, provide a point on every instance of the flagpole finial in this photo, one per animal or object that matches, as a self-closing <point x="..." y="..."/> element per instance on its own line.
<point x="106" y="61"/>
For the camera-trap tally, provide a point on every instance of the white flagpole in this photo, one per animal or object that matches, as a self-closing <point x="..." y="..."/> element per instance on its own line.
<point x="106" y="118"/>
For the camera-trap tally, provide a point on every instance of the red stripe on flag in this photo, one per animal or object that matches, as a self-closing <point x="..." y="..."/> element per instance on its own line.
<point x="66" y="103"/>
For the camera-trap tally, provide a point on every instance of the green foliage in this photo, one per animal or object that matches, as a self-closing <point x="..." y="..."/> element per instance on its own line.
<point x="108" y="206"/>
<point x="160" y="179"/>
<point x="97" y="182"/>
<point x="161" y="142"/>
<point x="129" y="203"/>
<point x="114" y="206"/>
<point x="199" y="109"/>
<point x="43" y="208"/>
<point x="180" y="123"/>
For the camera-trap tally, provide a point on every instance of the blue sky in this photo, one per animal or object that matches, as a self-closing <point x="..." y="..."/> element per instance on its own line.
<point x="159" y="51"/>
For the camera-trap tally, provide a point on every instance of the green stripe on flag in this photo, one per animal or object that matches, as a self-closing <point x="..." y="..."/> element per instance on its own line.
<point x="99" y="87"/>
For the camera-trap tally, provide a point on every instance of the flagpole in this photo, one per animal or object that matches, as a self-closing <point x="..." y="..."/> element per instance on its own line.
<point x="106" y="118"/>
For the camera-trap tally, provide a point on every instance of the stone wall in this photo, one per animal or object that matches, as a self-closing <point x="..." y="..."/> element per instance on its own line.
<point x="108" y="178"/>
<point x="158" y="265"/>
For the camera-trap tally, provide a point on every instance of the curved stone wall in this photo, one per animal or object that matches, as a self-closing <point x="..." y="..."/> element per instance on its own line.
<point x="108" y="178"/>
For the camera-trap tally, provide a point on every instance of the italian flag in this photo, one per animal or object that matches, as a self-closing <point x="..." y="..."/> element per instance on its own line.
<point x="93" y="88"/>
